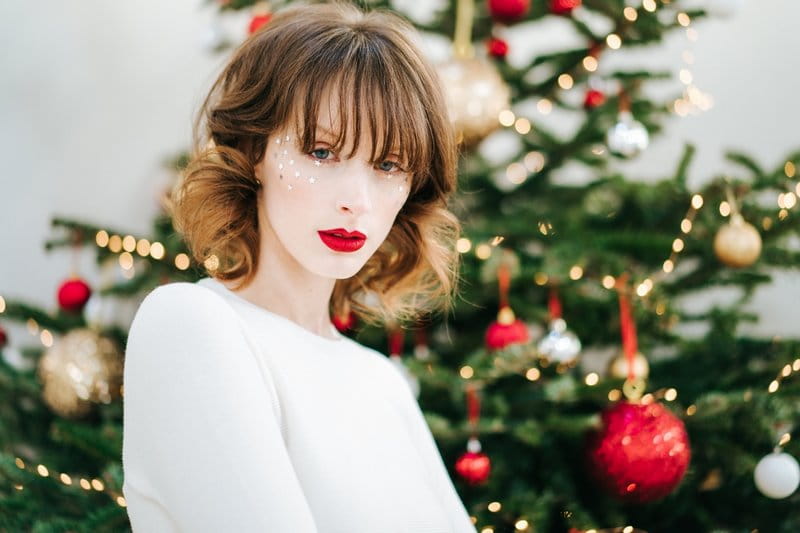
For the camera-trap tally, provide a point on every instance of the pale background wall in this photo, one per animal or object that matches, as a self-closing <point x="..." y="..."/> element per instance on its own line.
<point x="94" y="94"/>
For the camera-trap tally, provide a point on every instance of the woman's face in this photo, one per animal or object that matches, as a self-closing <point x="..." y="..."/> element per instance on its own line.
<point x="307" y="197"/>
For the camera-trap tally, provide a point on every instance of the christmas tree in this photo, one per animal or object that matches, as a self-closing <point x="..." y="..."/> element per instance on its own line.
<point x="673" y="433"/>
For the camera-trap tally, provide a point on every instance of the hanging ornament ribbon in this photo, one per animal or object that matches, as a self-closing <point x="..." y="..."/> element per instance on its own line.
<point x="396" y="336"/>
<point x="473" y="407"/>
<point x="503" y="283"/>
<point x="554" y="304"/>
<point x="624" y="100"/>
<point x="462" y="39"/>
<point x="628" y="329"/>
<point x="420" y="336"/>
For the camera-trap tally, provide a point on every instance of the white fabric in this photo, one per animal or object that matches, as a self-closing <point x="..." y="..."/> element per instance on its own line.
<point x="238" y="419"/>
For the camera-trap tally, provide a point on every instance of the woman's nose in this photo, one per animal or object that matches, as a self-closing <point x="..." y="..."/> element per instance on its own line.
<point x="354" y="194"/>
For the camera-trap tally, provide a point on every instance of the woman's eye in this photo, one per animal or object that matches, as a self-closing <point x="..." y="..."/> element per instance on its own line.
<point x="321" y="153"/>
<point x="387" y="166"/>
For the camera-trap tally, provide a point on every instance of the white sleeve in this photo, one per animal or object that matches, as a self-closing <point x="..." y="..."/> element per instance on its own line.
<point x="459" y="518"/>
<point x="202" y="445"/>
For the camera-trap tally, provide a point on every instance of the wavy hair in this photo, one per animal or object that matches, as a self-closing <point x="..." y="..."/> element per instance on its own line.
<point x="279" y="75"/>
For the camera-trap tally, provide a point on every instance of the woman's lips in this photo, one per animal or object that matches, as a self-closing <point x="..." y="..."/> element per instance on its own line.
<point x="340" y="240"/>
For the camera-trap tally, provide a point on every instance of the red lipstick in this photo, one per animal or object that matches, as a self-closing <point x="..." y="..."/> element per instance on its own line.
<point x="341" y="240"/>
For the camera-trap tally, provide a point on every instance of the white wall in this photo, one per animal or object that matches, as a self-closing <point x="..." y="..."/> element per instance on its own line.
<point x="94" y="94"/>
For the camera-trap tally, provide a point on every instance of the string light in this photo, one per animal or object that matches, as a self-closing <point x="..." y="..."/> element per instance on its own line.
<point x="784" y="373"/>
<point x="84" y="483"/>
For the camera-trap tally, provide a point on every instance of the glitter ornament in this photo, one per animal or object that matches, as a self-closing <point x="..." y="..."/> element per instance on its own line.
<point x="777" y="475"/>
<point x="81" y="368"/>
<point x="474" y="466"/>
<point x="640" y="453"/>
<point x="563" y="7"/>
<point x="737" y="243"/>
<point x="559" y="344"/>
<point x="73" y="294"/>
<point x="618" y="367"/>
<point x="476" y="94"/>
<point x="508" y="10"/>
<point x="628" y="137"/>
<point x="497" y="48"/>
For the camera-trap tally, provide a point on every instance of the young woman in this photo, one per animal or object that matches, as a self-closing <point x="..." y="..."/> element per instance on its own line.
<point x="318" y="184"/>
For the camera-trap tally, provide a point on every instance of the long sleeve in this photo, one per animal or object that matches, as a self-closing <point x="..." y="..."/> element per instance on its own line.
<point x="434" y="464"/>
<point x="202" y="444"/>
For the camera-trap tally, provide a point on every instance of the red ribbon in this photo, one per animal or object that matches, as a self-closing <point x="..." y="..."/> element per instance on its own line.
<point x="503" y="283"/>
<point x="473" y="405"/>
<point x="554" y="304"/>
<point x="628" y="330"/>
<point x="420" y="336"/>
<point x="396" y="341"/>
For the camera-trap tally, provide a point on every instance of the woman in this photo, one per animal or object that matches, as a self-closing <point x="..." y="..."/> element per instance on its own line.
<point x="318" y="185"/>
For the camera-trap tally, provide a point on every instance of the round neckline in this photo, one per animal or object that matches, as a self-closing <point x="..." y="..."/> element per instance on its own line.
<point x="291" y="323"/>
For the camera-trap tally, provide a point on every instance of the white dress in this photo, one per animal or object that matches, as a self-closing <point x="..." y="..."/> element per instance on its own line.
<point x="237" y="419"/>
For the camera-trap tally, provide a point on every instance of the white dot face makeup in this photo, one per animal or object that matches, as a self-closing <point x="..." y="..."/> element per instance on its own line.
<point x="308" y="196"/>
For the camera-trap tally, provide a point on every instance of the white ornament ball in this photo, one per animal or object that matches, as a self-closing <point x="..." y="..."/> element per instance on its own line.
<point x="628" y="137"/>
<point x="777" y="475"/>
<point x="560" y="344"/>
<point x="411" y="379"/>
<point x="737" y="243"/>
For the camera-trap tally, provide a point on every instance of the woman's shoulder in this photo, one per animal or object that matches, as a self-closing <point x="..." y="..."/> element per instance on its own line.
<point x="182" y="301"/>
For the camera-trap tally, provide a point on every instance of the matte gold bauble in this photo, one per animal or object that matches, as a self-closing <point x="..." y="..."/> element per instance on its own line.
<point x="476" y="94"/>
<point x="737" y="243"/>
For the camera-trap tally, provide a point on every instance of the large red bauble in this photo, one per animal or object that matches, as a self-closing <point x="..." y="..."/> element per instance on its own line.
<point x="498" y="335"/>
<point x="508" y="10"/>
<point x="563" y="7"/>
<point x="474" y="467"/>
<point x="640" y="453"/>
<point x="73" y="294"/>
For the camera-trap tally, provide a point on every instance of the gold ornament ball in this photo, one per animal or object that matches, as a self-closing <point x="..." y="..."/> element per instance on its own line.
<point x="81" y="368"/>
<point x="618" y="367"/>
<point x="476" y="94"/>
<point x="737" y="243"/>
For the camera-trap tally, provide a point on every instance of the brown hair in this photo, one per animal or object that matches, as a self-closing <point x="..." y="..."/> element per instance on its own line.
<point x="278" y="75"/>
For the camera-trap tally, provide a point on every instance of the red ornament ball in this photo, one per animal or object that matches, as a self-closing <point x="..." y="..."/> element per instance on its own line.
<point x="641" y="452"/>
<point x="506" y="330"/>
<point x="593" y="99"/>
<point x="563" y="7"/>
<point x="257" y="21"/>
<point x="344" y="323"/>
<point x="497" y="48"/>
<point x="473" y="466"/>
<point x="73" y="294"/>
<point x="508" y="10"/>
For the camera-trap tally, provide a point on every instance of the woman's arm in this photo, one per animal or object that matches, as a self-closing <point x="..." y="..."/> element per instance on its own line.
<point x="202" y="445"/>
<point x="459" y="518"/>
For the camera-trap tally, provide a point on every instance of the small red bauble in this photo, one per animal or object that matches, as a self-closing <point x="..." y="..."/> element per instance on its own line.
<point x="497" y="48"/>
<point x="508" y="10"/>
<point x="3" y="337"/>
<point x="506" y="330"/>
<point x="257" y="21"/>
<point x="344" y="323"/>
<point x="473" y="466"/>
<point x="73" y="294"/>
<point x="593" y="99"/>
<point x="641" y="452"/>
<point x="563" y="7"/>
